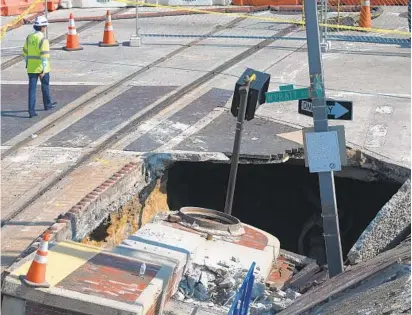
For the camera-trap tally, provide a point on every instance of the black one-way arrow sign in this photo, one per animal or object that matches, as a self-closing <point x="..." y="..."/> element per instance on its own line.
<point x="340" y="110"/>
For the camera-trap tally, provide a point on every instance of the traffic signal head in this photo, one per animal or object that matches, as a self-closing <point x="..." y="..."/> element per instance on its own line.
<point x="256" y="96"/>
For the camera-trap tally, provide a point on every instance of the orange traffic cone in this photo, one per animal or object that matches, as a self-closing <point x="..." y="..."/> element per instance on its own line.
<point x="36" y="276"/>
<point x="72" y="41"/>
<point x="365" y="19"/>
<point x="108" y="37"/>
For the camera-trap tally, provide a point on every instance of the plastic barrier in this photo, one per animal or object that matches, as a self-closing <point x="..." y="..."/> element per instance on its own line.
<point x="16" y="7"/>
<point x="241" y="302"/>
<point x="19" y="19"/>
<point x="68" y="4"/>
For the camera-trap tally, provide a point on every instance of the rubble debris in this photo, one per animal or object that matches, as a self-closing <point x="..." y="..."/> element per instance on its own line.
<point x="216" y="284"/>
<point x="235" y="259"/>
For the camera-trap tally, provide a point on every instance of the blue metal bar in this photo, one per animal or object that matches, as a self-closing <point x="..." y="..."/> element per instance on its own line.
<point x="244" y="294"/>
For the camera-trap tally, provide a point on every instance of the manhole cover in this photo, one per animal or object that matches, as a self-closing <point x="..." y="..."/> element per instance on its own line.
<point x="211" y="220"/>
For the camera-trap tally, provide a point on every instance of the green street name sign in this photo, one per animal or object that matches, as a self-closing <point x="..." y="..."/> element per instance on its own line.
<point x="286" y="96"/>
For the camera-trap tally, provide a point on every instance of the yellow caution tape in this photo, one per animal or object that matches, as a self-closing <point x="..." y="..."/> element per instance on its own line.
<point x="20" y="17"/>
<point x="252" y="77"/>
<point x="269" y="19"/>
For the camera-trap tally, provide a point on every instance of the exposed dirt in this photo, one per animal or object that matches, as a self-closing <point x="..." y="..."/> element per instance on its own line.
<point x="128" y="219"/>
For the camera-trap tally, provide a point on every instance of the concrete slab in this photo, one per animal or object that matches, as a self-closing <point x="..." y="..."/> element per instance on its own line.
<point x="180" y="121"/>
<point x="259" y="137"/>
<point x="373" y="129"/>
<point x="79" y="286"/>
<point x="95" y="278"/>
<point x="14" y="115"/>
<point x="111" y="114"/>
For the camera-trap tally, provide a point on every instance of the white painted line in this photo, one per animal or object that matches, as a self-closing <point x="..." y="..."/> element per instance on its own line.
<point x="375" y="137"/>
<point x="16" y="47"/>
<point x="156" y="120"/>
<point x="55" y="83"/>
<point x="384" y="110"/>
<point x="192" y="130"/>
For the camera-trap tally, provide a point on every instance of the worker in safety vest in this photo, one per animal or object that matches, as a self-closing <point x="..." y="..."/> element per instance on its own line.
<point x="36" y="53"/>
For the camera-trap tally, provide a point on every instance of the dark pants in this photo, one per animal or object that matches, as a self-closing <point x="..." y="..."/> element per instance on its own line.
<point x="45" y="89"/>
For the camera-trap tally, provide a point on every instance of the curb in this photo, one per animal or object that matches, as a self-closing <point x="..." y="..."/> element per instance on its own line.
<point x="58" y="230"/>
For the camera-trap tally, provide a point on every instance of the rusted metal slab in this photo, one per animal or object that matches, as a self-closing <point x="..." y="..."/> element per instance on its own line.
<point x="252" y="238"/>
<point x="111" y="277"/>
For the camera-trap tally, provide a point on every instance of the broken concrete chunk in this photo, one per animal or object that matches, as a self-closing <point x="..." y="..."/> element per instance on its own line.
<point x="223" y="264"/>
<point x="204" y="279"/>
<point x="258" y="290"/>
<point x="200" y="292"/>
<point x="187" y="286"/>
<point x="280" y="306"/>
<point x="279" y="294"/>
<point x="260" y="309"/>
<point x="292" y="294"/>
<point x="235" y="259"/>
<point x="179" y="296"/>
<point x="227" y="283"/>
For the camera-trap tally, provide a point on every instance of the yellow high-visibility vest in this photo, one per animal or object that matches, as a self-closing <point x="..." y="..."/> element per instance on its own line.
<point x="36" y="52"/>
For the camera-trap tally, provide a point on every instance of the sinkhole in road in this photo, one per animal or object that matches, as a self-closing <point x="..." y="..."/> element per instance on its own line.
<point x="281" y="199"/>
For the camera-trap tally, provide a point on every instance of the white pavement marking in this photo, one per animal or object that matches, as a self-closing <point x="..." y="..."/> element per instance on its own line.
<point x="54" y="83"/>
<point x="162" y="116"/>
<point x="384" y="109"/>
<point x="215" y="113"/>
<point x="375" y="137"/>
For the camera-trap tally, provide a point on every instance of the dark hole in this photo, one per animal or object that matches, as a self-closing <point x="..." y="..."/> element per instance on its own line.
<point x="100" y="233"/>
<point x="282" y="199"/>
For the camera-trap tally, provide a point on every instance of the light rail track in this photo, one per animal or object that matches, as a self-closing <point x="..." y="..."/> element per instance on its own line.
<point x="114" y="138"/>
<point x="112" y="87"/>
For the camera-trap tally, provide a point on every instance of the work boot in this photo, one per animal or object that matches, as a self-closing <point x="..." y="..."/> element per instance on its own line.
<point x="50" y="106"/>
<point x="32" y="115"/>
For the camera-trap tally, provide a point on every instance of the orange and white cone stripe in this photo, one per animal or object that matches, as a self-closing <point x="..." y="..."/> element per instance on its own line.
<point x="36" y="276"/>
<point x="72" y="26"/>
<point x="365" y="18"/>
<point x="108" y="35"/>
<point x="72" y="41"/>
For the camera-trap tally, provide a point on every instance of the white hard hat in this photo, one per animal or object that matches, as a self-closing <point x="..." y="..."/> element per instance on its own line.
<point x="41" y="21"/>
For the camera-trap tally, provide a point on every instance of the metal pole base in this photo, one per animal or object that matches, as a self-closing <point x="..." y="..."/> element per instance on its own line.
<point x="135" y="41"/>
<point x="325" y="46"/>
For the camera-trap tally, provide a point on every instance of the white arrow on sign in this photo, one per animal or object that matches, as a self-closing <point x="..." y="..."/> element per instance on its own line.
<point x="337" y="110"/>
